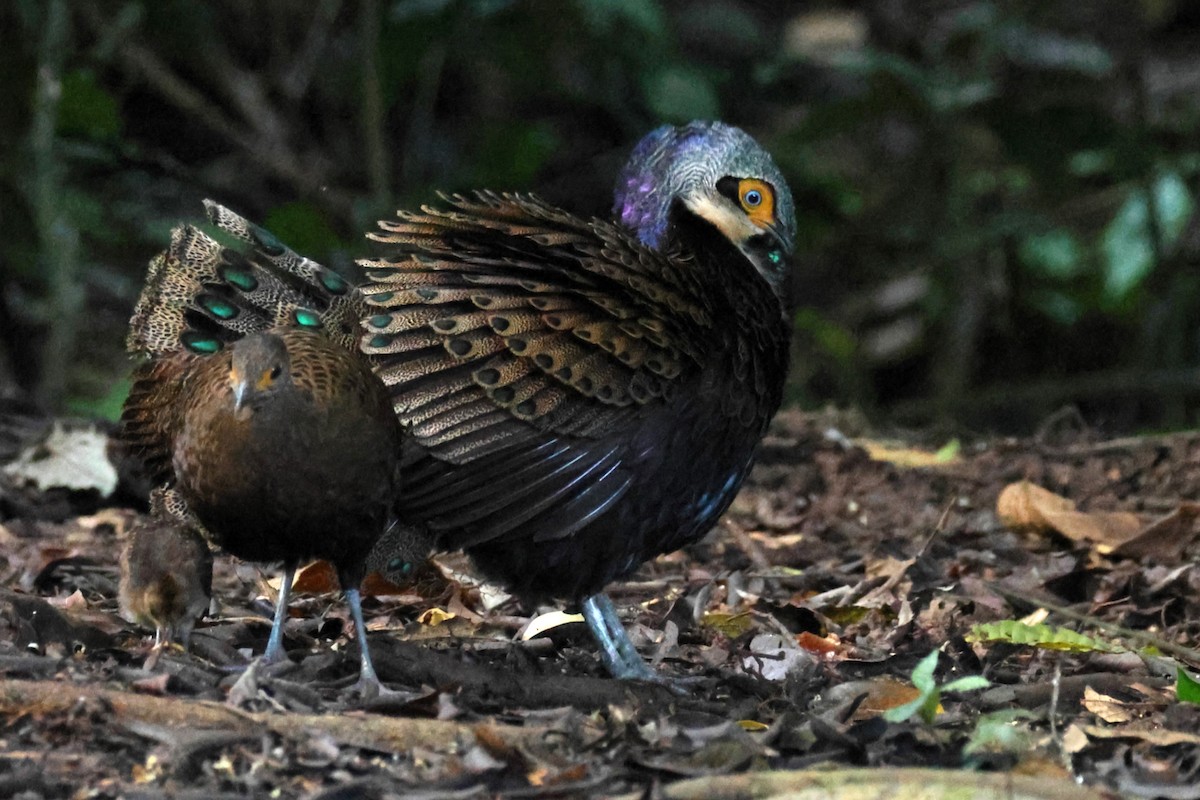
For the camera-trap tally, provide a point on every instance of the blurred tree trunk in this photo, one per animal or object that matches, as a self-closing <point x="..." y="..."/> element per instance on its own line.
<point x="58" y="237"/>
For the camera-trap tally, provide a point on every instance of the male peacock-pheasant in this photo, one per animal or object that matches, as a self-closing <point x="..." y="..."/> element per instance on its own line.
<point x="582" y="395"/>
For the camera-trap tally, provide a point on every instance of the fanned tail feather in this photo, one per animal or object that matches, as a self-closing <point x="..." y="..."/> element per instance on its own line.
<point x="200" y="294"/>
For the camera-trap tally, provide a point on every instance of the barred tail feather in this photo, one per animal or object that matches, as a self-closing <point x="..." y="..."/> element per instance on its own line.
<point x="200" y="294"/>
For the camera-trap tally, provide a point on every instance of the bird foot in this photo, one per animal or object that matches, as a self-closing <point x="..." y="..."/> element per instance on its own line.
<point x="641" y="671"/>
<point x="373" y="692"/>
<point x="620" y="657"/>
<point x="246" y="686"/>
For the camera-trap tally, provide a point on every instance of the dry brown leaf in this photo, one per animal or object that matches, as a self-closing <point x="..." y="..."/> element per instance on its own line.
<point x="1166" y="538"/>
<point x="1037" y="764"/>
<point x="1159" y="737"/>
<point x="1022" y="505"/>
<point x="1027" y="505"/>
<point x="375" y="585"/>
<point x="819" y="645"/>
<point x="1107" y="708"/>
<point x="1074" y="740"/>
<point x="884" y="693"/>
<point x="319" y="577"/>
<point x="149" y="773"/>
<point x="545" y="777"/>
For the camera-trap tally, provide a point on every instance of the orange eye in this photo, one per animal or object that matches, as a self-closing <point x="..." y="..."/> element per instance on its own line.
<point x="757" y="199"/>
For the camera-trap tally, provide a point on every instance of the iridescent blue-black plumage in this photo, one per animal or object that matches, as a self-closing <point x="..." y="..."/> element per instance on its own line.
<point x="582" y="395"/>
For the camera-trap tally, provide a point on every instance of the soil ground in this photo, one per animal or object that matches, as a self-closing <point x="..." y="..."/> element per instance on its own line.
<point x="841" y="566"/>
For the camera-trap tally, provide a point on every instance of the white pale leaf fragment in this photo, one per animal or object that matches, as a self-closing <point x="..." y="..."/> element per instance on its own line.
<point x="75" y="459"/>
<point x="544" y="622"/>
<point x="774" y="656"/>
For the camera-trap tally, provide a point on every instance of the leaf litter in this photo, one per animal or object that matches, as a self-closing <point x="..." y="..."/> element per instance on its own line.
<point x="1036" y="605"/>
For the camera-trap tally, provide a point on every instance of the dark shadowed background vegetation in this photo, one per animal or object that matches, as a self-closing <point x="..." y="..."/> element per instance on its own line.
<point x="997" y="199"/>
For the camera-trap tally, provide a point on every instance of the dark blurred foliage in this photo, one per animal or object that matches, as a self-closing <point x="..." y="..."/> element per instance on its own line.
<point x="997" y="198"/>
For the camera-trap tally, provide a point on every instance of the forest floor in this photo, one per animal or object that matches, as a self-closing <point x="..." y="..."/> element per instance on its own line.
<point x="843" y="564"/>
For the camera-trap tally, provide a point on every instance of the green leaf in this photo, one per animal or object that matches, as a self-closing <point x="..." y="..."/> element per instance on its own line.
<point x="1187" y="688"/>
<point x="904" y="712"/>
<point x="830" y="338"/>
<point x="511" y="153"/>
<point x="949" y="451"/>
<point x="998" y="732"/>
<point x="303" y="228"/>
<point x="607" y="16"/>
<point x="1054" y="254"/>
<point x="680" y="94"/>
<point x="106" y="407"/>
<point x="967" y="683"/>
<point x="922" y="676"/>
<point x="1126" y="245"/>
<point x="1059" y="306"/>
<point x="927" y="705"/>
<point x="1043" y="49"/>
<point x="87" y="109"/>
<point x="1013" y="631"/>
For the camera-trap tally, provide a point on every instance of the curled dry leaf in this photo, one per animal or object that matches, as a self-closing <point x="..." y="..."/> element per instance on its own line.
<point x="1027" y="505"/>
<point x="544" y="622"/>
<point x="1165" y="539"/>
<point x="1106" y="707"/>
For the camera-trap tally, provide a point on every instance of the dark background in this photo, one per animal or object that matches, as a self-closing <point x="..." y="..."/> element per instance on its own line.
<point x="997" y="199"/>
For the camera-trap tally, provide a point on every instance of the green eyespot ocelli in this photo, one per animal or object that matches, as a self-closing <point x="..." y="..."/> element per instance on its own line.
<point x="267" y="241"/>
<point x="335" y="283"/>
<point x="775" y="257"/>
<point x="199" y="343"/>
<point x="221" y="309"/>
<point x="399" y="565"/>
<point x="241" y="278"/>
<point x="306" y="318"/>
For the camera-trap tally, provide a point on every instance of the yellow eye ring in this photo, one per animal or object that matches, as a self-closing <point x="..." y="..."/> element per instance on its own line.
<point x="757" y="199"/>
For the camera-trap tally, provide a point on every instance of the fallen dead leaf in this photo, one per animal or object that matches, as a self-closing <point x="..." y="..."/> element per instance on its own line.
<point x="1107" y="708"/>
<point x="1159" y="737"/>
<point x="1027" y="505"/>
<point x="819" y="645"/>
<point x="319" y="577"/>
<point x="548" y="621"/>
<point x="71" y="459"/>
<point x="910" y="456"/>
<point x="1165" y="539"/>
<point x="435" y="616"/>
<point x="883" y="693"/>
<point x="729" y="625"/>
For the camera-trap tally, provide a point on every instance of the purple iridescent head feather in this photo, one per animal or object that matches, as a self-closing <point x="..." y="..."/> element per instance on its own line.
<point x="671" y="162"/>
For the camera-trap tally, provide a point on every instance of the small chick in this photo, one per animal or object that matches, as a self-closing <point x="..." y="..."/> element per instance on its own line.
<point x="166" y="573"/>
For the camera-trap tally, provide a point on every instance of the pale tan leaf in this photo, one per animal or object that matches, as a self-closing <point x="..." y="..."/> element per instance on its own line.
<point x="1027" y="505"/>
<point x="1107" y="708"/>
